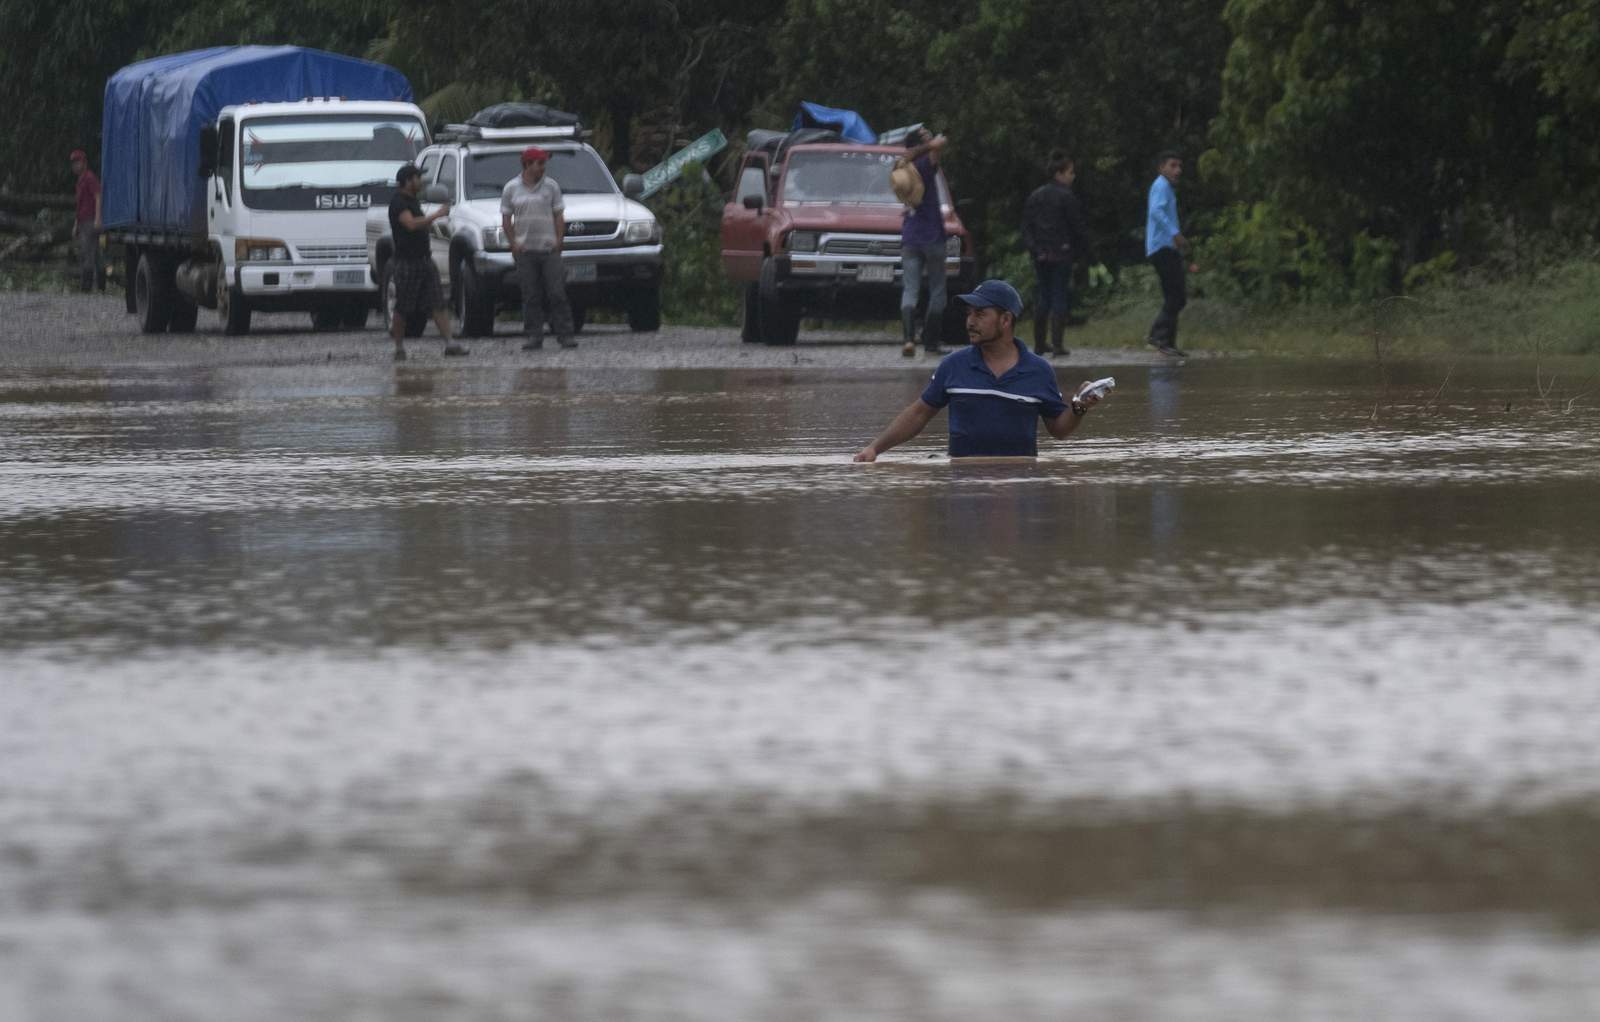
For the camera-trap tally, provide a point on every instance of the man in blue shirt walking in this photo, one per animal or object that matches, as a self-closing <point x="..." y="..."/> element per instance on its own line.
<point x="1164" y="245"/>
<point x="996" y="388"/>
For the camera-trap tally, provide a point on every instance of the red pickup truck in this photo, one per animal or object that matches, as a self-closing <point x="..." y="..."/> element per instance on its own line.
<point x="813" y="229"/>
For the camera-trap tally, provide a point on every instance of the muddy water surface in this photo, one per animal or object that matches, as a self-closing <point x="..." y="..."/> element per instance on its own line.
<point x="484" y="692"/>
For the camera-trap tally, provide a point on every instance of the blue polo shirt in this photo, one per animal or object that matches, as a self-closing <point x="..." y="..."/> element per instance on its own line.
<point x="995" y="417"/>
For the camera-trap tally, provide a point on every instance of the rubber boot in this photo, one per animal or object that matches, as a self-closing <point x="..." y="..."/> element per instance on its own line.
<point x="1040" y="321"/>
<point x="933" y="333"/>
<point x="1058" y="327"/>
<point x="908" y="331"/>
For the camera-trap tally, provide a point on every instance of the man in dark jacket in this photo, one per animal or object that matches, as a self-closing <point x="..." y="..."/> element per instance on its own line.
<point x="1052" y="228"/>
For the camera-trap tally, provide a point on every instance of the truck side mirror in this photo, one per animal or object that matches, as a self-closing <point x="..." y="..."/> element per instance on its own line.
<point x="754" y="202"/>
<point x="435" y="193"/>
<point x="633" y="185"/>
<point x="208" y="152"/>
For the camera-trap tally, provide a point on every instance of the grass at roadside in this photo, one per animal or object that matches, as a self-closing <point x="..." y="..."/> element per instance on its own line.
<point x="1557" y="312"/>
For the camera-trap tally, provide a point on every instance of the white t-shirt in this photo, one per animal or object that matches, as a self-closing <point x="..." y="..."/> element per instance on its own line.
<point x="532" y="211"/>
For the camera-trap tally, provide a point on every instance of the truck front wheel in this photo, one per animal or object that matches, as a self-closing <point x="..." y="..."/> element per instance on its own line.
<point x="780" y="316"/>
<point x="185" y="314"/>
<point x="644" y="310"/>
<point x="750" y="318"/>
<point x="152" y="294"/>
<point x="130" y="277"/>
<point x="233" y="308"/>
<point x="474" y="301"/>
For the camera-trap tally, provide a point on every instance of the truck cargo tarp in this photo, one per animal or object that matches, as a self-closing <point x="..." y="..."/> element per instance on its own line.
<point x="154" y="111"/>
<point x="847" y="123"/>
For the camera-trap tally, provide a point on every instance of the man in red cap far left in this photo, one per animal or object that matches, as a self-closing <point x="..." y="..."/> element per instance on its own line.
<point x="86" y="227"/>
<point x="531" y="211"/>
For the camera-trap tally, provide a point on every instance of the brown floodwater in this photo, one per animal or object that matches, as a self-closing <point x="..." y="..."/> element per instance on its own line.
<point x="498" y="693"/>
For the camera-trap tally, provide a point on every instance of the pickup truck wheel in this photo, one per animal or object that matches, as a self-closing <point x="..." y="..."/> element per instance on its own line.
<point x="644" y="310"/>
<point x="474" y="301"/>
<point x="185" y="314"/>
<point x="130" y="275"/>
<point x="780" y="318"/>
<point x="750" y="315"/>
<point x="780" y="322"/>
<point x="385" y="296"/>
<point x="234" y="310"/>
<point x="326" y="319"/>
<point x="152" y="295"/>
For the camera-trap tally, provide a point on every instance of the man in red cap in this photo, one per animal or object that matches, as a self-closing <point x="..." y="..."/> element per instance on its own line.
<point x="531" y="213"/>
<point x="86" y="227"/>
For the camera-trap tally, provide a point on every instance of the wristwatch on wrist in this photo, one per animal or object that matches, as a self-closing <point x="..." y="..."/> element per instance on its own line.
<point x="1079" y="408"/>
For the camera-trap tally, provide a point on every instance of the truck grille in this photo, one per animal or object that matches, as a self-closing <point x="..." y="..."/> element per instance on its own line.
<point x="591" y="228"/>
<point x="333" y="253"/>
<point x="887" y="245"/>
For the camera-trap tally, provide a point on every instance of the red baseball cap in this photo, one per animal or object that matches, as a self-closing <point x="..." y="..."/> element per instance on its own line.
<point x="532" y="153"/>
<point x="78" y="154"/>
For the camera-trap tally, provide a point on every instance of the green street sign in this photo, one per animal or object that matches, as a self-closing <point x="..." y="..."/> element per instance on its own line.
<point x="698" y="151"/>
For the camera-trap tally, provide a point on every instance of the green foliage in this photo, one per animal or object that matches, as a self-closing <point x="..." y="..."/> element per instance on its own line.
<point x="1258" y="254"/>
<point x="1431" y="274"/>
<point x="1388" y="119"/>
<point x="693" y="287"/>
<point x="1346" y="146"/>
<point x="1373" y="264"/>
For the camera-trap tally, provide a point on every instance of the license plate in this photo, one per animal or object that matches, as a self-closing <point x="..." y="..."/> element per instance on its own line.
<point x="350" y="277"/>
<point x="877" y="272"/>
<point x="581" y="273"/>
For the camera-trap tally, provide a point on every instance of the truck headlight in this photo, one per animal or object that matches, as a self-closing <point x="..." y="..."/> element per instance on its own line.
<point x="641" y="232"/>
<point x="952" y="247"/>
<point x="494" y="239"/>
<point x="803" y="241"/>
<point x="260" y="250"/>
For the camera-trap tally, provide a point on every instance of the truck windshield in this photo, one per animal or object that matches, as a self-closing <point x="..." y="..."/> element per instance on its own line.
<point x="577" y="171"/>
<point x="861" y="177"/>
<point x="324" y="161"/>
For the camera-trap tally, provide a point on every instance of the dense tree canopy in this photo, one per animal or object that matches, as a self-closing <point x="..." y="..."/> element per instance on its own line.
<point x="1365" y="139"/>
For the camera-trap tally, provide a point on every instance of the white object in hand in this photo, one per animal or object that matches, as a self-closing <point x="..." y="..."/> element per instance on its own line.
<point x="1098" y="388"/>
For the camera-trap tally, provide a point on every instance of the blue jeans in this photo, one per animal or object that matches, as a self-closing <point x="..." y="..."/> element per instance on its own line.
<point x="914" y="259"/>
<point x="1055" y="287"/>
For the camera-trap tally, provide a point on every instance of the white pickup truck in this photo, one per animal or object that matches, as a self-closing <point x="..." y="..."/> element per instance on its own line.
<point x="612" y="251"/>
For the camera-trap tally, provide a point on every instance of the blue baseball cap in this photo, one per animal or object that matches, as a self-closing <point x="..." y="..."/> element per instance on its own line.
<point x="994" y="294"/>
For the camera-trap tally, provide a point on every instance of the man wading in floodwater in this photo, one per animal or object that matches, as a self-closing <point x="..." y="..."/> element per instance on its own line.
<point x="997" y="389"/>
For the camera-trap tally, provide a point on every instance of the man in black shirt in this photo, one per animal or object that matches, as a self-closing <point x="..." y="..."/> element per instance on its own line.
<point x="1052" y="228"/>
<point x="417" y="291"/>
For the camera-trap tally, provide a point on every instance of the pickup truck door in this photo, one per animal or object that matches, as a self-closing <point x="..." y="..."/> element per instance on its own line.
<point x="439" y="233"/>
<point x="744" y="230"/>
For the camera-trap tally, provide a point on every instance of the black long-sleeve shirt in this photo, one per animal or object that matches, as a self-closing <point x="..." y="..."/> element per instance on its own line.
<point x="1052" y="223"/>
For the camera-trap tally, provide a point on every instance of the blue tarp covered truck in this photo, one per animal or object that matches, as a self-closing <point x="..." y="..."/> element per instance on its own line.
<point x="238" y="178"/>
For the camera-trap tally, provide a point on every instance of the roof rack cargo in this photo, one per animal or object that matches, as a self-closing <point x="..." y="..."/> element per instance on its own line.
<point x="510" y="122"/>
<point x="780" y="142"/>
<point x="474" y="133"/>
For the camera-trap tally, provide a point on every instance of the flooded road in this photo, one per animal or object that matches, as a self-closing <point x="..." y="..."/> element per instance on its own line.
<point x="497" y="691"/>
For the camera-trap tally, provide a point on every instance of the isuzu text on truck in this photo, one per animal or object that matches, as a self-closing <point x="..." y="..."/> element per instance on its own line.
<point x="238" y="178"/>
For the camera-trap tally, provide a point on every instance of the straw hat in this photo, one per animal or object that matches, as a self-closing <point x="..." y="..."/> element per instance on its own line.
<point x="906" y="182"/>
